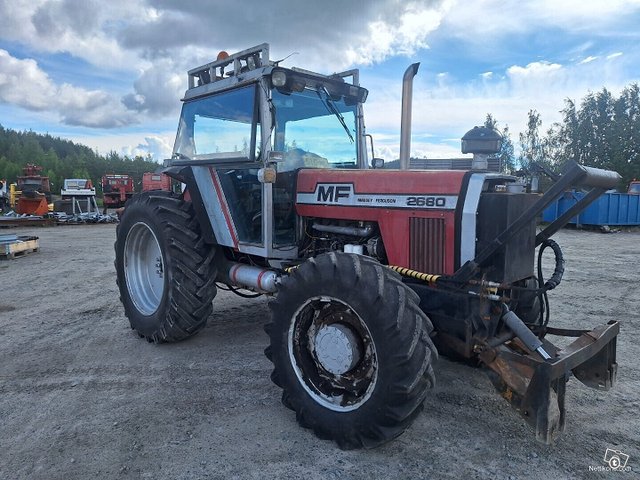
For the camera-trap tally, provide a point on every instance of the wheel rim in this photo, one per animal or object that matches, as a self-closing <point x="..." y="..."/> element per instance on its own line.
<point x="333" y="354"/>
<point x="144" y="268"/>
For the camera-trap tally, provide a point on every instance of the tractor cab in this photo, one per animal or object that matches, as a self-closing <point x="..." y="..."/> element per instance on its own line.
<point x="247" y="126"/>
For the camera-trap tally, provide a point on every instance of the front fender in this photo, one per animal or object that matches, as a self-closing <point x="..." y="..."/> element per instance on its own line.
<point x="184" y="174"/>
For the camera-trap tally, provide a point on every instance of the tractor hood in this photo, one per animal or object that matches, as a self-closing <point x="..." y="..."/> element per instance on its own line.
<point x="388" y="189"/>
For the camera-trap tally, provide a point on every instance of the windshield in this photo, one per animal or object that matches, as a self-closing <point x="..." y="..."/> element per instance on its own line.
<point x="222" y="126"/>
<point x="634" y="188"/>
<point x="314" y="130"/>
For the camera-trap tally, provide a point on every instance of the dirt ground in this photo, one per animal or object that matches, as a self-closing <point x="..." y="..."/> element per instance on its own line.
<point x="81" y="396"/>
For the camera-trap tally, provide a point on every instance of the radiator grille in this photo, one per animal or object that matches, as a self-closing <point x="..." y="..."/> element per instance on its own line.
<point x="426" y="245"/>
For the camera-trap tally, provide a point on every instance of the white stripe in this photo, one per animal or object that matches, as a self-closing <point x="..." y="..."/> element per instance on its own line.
<point x="468" y="223"/>
<point x="342" y="194"/>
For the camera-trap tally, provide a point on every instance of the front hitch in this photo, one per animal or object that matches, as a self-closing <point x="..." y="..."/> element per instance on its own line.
<point x="536" y="387"/>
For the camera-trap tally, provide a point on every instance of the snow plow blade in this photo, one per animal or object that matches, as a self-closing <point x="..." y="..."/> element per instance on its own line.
<point x="536" y="387"/>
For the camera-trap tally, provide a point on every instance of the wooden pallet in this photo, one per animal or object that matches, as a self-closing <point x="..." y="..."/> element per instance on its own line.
<point x="19" y="248"/>
<point x="6" y="222"/>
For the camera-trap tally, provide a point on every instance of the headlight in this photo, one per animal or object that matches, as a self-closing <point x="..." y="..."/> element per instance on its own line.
<point x="278" y="78"/>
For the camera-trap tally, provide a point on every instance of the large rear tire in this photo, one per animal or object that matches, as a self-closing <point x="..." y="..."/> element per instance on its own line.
<point x="165" y="271"/>
<point x="351" y="349"/>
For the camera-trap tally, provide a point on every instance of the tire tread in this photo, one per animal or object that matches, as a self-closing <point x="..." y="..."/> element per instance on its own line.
<point x="189" y="259"/>
<point x="407" y="346"/>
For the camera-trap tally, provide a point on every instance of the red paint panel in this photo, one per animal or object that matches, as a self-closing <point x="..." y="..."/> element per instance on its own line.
<point x="395" y="224"/>
<point x="385" y="181"/>
<point x="427" y="244"/>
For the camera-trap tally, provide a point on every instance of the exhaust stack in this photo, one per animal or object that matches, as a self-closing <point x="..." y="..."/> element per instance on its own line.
<point x="405" y="122"/>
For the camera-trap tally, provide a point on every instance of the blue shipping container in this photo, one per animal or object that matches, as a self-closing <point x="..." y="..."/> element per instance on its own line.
<point x="608" y="209"/>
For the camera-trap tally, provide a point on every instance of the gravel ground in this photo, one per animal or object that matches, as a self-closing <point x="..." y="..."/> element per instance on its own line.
<point x="82" y="396"/>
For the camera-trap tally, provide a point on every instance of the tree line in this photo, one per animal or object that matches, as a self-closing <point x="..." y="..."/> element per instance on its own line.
<point x="62" y="159"/>
<point x="603" y="131"/>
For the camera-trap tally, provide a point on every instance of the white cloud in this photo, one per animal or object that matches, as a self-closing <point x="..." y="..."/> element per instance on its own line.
<point x="450" y="108"/>
<point x="391" y="151"/>
<point x="493" y="20"/>
<point x="161" y="39"/>
<point x="589" y="59"/>
<point x="588" y="15"/>
<point x="157" y="90"/>
<point x="158" y="144"/>
<point x="82" y="28"/>
<point x="24" y="84"/>
<point x="402" y="35"/>
<point x="534" y="80"/>
<point x="158" y="147"/>
<point x="534" y="69"/>
<point x="150" y="44"/>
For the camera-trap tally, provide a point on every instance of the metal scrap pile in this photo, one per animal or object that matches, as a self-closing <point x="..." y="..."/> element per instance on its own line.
<point x="65" y="218"/>
<point x="90" y="217"/>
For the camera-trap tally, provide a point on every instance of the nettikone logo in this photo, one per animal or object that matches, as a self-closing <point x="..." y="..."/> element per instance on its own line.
<point x="615" y="460"/>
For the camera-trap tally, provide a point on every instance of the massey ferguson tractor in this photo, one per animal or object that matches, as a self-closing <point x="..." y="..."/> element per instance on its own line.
<point x="372" y="272"/>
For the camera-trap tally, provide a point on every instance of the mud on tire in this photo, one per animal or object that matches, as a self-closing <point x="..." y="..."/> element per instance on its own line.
<point x="351" y="349"/>
<point x="165" y="270"/>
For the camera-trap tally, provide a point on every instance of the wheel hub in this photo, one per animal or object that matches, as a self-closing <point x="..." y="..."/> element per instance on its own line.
<point x="337" y="348"/>
<point x="144" y="268"/>
<point x="333" y="354"/>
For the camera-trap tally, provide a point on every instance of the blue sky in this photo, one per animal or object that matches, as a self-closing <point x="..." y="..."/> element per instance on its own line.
<point x="110" y="74"/>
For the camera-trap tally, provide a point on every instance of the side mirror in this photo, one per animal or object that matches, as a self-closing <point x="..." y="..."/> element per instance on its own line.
<point x="377" y="163"/>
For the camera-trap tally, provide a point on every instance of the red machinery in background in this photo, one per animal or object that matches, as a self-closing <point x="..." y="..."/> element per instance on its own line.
<point x="35" y="191"/>
<point x="156" y="181"/>
<point x="116" y="190"/>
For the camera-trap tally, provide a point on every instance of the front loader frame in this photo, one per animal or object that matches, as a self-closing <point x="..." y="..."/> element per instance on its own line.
<point x="536" y="388"/>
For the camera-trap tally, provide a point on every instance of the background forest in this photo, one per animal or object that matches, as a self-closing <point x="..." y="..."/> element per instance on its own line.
<point x="62" y="159"/>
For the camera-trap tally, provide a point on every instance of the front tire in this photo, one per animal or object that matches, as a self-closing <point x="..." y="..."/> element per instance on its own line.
<point x="165" y="271"/>
<point x="351" y="349"/>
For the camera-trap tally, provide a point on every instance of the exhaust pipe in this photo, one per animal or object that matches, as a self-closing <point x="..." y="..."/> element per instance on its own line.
<point x="405" y="122"/>
<point x="259" y="279"/>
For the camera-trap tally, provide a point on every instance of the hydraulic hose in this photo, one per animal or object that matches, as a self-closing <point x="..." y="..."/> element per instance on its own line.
<point x="407" y="272"/>
<point x="550" y="284"/>
<point x="556" y="278"/>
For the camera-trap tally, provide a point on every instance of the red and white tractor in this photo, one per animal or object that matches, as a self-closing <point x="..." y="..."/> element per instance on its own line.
<point x="371" y="271"/>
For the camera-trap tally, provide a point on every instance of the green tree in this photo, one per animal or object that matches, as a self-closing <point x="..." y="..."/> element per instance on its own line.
<point x="531" y="145"/>
<point x="506" y="153"/>
<point x="603" y="132"/>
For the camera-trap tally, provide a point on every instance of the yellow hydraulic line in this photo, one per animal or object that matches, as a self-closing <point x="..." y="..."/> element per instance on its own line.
<point x="407" y="272"/>
<point x="432" y="279"/>
<point x="491" y="291"/>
